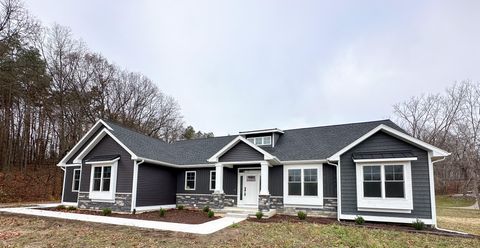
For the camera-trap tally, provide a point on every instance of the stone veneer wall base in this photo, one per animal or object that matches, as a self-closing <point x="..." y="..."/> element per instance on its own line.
<point x="122" y="203"/>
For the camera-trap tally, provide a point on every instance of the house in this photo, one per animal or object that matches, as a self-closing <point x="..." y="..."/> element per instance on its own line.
<point x="369" y="169"/>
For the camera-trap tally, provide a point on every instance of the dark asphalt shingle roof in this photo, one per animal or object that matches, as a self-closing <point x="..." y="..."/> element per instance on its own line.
<point x="294" y="144"/>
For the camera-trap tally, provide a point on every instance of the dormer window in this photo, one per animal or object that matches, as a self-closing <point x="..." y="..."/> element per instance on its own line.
<point x="261" y="141"/>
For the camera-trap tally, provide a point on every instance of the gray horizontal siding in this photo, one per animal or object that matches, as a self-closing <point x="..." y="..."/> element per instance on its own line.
<point x="329" y="180"/>
<point x="420" y="176"/>
<point x="68" y="195"/>
<point x="241" y="152"/>
<point x="156" y="185"/>
<point x="201" y="184"/>
<point x="70" y="160"/>
<point x="108" y="146"/>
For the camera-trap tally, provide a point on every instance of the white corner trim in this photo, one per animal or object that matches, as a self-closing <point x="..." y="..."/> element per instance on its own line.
<point x="385" y="219"/>
<point x="432" y="189"/>
<point x="379" y="160"/>
<point x="266" y="155"/>
<point x="96" y="140"/>
<point x="84" y="138"/>
<point x="63" y="185"/>
<point x="437" y="152"/>
<point x="135" y="184"/>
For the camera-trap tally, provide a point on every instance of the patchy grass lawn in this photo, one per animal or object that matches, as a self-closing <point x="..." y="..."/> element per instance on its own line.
<point x="20" y="231"/>
<point x="465" y="220"/>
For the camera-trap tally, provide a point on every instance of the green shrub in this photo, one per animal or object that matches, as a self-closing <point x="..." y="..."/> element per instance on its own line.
<point x="180" y="207"/>
<point x="359" y="220"/>
<point x="234" y="225"/>
<point x="210" y="214"/>
<point x="206" y="209"/>
<point x="162" y="212"/>
<point x="302" y="215"/>
<point x="418" y="224"/>
<point x="106" y="211"/>
<point x="71" y="208"/>
<point x="259" y="214"/>
<point x="134" y="211"/>
<point x="61" y="207"/>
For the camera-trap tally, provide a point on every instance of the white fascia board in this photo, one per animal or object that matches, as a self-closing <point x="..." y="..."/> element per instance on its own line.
<point x="152" y="161"/>
<point x="375" y="160"/>
<point x="77" y="146"/>
<point x="437" y="152"/>
<point x="97" y="139"/>
<point x="275" y="130"/>
<point x="266" y="155"/>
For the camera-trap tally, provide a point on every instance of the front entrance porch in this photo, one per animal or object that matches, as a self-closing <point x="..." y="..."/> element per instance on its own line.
<point x="251" y="185"/>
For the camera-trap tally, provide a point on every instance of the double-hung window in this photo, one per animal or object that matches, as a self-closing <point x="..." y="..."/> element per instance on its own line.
<point x="76" y="180"/>
<point x="190" y="180"/>
<point x="303" y="185"/>
<point x="384" y="186"/>
<point x="212" y="180"/>
<point x="103" y="179"/>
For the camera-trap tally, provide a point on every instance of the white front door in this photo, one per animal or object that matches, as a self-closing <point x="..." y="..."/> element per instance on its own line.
<point x="249" y="184"/>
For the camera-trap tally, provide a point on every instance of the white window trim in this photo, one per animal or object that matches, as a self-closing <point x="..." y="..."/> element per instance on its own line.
<point x="301" y="200"/>
<point x="263" y="138"/>
<point x="104" y="196"/>
<point x="73" y="180"/>
<point x="384" y="204"/>
<point x="210" y="181"/>
<point x="194" y="181"/>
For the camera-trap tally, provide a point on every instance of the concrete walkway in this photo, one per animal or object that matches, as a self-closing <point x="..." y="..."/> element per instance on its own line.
<point x="204" y="228"/>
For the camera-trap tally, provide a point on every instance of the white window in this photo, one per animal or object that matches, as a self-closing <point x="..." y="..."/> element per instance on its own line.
<point x="261" y="141"/>
<point x="302" y="185"/>
<point x="212" y="180"/>
<point x="190" y="180"/>
<point x="76" y="180"/>
<point x="384" y="187"/>
<point x="103" y="181"/>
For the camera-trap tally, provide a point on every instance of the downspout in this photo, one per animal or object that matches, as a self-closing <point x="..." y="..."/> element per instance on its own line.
<point x="338" y="188"/>
<point x="135" y="183"/>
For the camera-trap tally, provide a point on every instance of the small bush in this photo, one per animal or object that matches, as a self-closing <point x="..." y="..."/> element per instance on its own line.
<point x="210" y="214"/>
<point x="259" y="215"/>
<point x="162" y="212"/>
<point x="61" y="207"/>
<point x="418" y="224"/>
<point x="234" y="225"/>
<point x="359" y="220"/>
<point x="180" y="207"/>
<point x="71" y="208"/>
<point x="106" y="211"/>
<point x="302" y="215"/>
<point x="206" y="209"/>
<point x="134" y="211"/>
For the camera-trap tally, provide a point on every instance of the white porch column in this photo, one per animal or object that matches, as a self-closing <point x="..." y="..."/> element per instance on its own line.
<point x="264" y="176"/>
<point x="218" y="178"/>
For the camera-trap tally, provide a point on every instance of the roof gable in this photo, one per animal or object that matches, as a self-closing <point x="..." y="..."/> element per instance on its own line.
<point x="233" y="143"/>
<point x="241" y="152"/>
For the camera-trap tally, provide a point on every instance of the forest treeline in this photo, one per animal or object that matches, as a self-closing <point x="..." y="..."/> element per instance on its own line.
<point x="53" y="88"/>
<point x="449" y="120"/>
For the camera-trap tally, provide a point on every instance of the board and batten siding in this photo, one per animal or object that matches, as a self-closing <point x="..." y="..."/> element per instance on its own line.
<point x="68" y="194"/>
<point x="420" y="177"/>
<point x="156" y="185"/>
<point x="108" y="146"/>
<point x="241" y="152"/>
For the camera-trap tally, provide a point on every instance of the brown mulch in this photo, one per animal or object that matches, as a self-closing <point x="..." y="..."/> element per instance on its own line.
<point x="186" y="216"/>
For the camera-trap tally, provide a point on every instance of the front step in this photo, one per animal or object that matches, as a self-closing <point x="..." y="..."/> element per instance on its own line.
<point x="245" y="212"/>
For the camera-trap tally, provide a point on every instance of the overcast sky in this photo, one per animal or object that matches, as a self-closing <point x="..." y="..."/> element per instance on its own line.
<point x="242" y="65"/>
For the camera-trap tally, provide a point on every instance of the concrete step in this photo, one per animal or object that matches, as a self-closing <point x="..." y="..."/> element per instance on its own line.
<point x="237" y="215"/>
